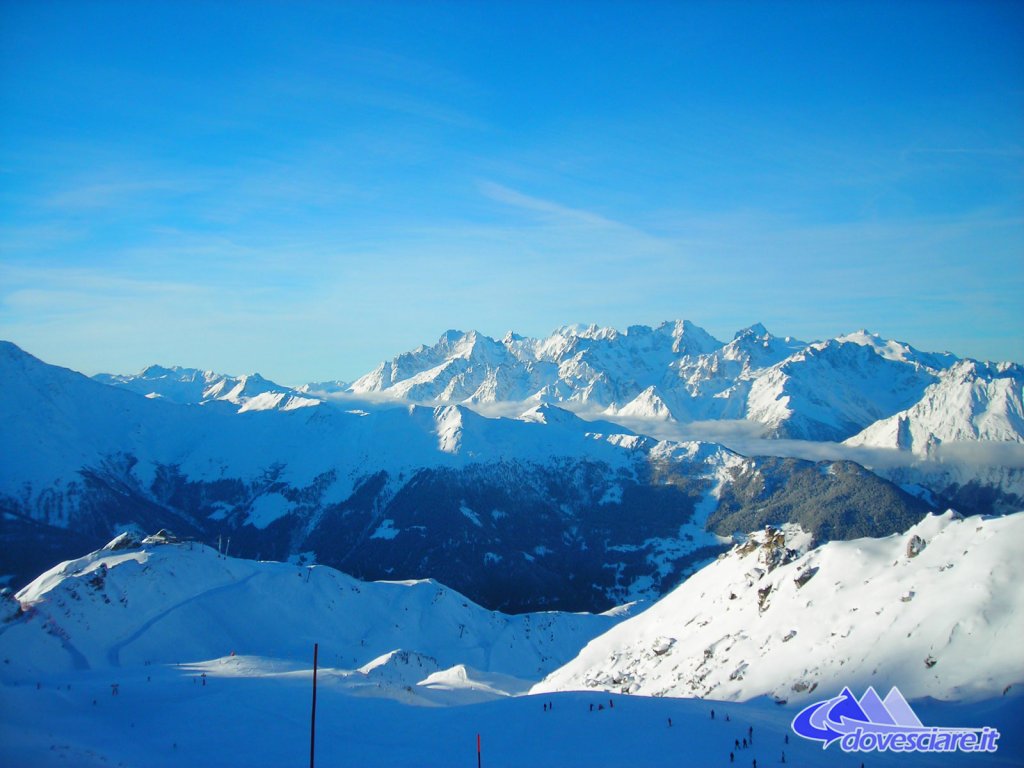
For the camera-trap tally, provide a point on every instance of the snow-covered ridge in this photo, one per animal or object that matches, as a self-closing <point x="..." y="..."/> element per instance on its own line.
<point x="937" y="611"/>
<point x="169" y="602"/>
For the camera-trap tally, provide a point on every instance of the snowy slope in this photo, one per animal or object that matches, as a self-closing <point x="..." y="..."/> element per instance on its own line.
<point x="963" y="440"/>
<point x="647" y="405"/>
<point x="134" y="604"/>
<point x="259" y="718"/>
<point x="937" y="611"/>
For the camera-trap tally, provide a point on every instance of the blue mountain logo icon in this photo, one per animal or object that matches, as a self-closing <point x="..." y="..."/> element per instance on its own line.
<point x="872" y="724"/>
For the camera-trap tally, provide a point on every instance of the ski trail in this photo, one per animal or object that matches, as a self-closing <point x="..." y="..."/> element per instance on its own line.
<point x="78" y="659"/>
<point x="114" y="652"/>
<point x="53" y="628"/>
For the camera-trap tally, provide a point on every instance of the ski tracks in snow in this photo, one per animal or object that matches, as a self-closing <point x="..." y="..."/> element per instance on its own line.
<point x="114" y="652"/>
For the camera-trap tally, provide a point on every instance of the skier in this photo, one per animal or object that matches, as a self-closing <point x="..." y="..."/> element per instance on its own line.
<point x="732" y="757"/>
<point x="712" y="714"/>
<point x="591" y="706"/>
<point x="727" y="717"/>
<point x="670" y="722"/>
<point x="737" y="743"/>
<point x="545" y="707"/>
<point x="787" y="738"/>
<point x="783" y="757"/>
<point x="744" y="743"/>
<point x="611" y="704"/>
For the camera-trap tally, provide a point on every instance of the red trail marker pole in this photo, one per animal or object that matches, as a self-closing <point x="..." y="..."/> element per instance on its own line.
<point x="478" y="750"/>
<point x="312" y="719"/>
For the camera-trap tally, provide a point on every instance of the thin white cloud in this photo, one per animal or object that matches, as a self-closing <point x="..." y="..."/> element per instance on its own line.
<point x="559" y="215"/>
<point x="511" y="197"/>
<point x="115" y="194"/>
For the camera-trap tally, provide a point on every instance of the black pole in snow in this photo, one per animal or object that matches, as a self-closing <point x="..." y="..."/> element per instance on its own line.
<point x="312" y="719"/>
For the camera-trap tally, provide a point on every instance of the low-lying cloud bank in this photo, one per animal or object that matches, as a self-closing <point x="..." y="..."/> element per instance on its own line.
<point x="748" y="438"/>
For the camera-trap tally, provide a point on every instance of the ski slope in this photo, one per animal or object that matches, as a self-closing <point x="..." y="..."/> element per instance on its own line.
<point x="163" y="717"/>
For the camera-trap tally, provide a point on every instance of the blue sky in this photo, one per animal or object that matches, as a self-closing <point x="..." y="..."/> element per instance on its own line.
<point x="304" y="189"/>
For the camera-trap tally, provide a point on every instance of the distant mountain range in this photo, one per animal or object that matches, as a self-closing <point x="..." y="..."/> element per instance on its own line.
<point x="406" y="473"/>
<point x="190" y="386"/>
<point x="858" y="388"/>
<point x="821" y="391"/>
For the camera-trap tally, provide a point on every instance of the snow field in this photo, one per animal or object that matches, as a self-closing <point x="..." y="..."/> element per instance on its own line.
<point x="164" y="716"/>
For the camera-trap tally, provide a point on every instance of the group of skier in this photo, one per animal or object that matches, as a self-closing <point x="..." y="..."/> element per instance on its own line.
<point x="740" y="743"/>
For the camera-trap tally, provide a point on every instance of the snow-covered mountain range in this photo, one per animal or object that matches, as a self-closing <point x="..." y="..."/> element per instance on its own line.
<point x="858" y="387"/>
<point x="192" y="386"/>
<point x="819" y="391"/>
<point x="562" y="501"/>
<point x="936" y="610"/>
